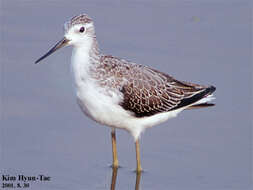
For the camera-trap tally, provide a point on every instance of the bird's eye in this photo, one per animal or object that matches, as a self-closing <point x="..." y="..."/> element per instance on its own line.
<point x="82" y="29"/>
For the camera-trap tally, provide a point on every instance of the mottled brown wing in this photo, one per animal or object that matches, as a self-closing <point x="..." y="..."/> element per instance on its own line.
<point x="148" y="92"/>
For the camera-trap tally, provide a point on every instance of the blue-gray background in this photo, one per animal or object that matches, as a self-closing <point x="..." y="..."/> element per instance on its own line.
<point x="202" y="41"/>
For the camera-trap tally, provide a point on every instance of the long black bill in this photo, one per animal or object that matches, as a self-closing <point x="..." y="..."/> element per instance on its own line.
<point x="59" y="45"/>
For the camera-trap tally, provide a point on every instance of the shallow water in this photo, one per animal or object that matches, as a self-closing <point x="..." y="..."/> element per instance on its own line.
<point x="44" y="132"/>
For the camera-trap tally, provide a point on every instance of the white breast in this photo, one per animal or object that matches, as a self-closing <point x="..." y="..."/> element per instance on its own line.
<point x="99" y="105"/>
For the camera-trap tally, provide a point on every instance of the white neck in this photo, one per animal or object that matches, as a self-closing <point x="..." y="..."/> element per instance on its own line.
<point x="80" y="63"/>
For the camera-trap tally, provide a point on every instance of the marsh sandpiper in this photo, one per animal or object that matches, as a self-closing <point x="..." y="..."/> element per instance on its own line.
<point x="121" y="94"/>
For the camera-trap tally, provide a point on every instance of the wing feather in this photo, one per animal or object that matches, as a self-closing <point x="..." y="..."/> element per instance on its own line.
<point x="155" y="92"/>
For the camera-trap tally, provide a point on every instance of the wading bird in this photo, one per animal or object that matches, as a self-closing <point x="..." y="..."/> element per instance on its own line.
<point x="121" y="94"/>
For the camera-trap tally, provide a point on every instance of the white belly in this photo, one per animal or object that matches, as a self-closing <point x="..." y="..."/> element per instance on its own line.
<point x="102" y="106"/>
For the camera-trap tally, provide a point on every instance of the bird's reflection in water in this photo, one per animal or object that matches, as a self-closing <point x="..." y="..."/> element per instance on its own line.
<point x="138" y="179"/>
<point x="114" y="179"/>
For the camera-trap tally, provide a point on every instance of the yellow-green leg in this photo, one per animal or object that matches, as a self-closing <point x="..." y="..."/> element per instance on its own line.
<point x="138" y="160"/>
<point x="115" y="163"/>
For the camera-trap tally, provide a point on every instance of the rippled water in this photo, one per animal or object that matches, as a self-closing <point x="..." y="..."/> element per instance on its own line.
<point x="44" y="132"/>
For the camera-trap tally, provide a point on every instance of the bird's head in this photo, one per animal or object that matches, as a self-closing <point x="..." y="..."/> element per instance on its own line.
<point x="79" y="31"/>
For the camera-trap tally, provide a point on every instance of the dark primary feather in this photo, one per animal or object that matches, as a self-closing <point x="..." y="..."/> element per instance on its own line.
<point x="205" y="105"/>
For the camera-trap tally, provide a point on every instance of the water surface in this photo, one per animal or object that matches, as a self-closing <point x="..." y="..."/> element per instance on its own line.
<point x="44" y="132"/>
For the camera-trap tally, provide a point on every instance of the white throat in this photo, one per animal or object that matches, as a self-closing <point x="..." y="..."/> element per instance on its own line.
<point x="81" y="62"/>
